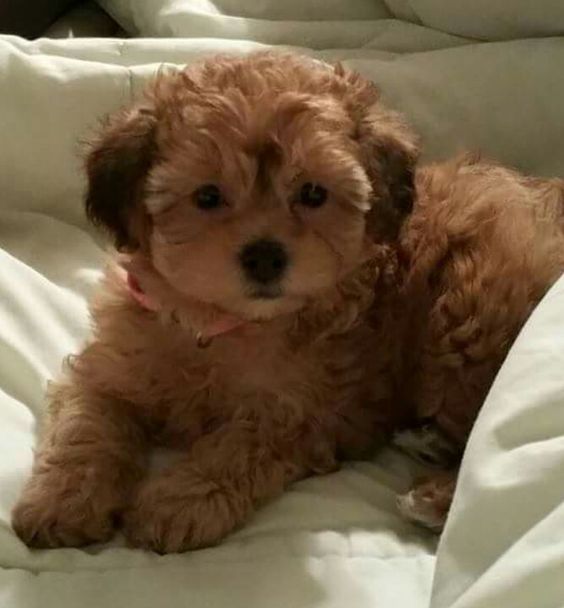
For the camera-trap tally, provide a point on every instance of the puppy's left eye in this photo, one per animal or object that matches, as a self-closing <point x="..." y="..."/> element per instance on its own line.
<point x="312" y="195"/>
<point x="208" y="197"/>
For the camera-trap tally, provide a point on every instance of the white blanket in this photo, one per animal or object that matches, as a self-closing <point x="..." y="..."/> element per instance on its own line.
<point x="334" y="541"/>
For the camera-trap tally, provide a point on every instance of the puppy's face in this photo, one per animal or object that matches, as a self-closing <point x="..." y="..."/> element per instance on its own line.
<point x="254" y="208"/>
<point x="251" y="185"/>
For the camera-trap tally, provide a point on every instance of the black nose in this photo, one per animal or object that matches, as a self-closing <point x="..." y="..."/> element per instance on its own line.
<point x="264" y="261"/>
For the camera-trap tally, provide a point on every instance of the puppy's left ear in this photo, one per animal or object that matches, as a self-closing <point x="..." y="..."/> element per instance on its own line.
<point x="390" y="152"/>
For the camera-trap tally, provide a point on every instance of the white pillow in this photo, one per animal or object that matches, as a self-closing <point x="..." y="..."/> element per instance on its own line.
<point x="485" y="19"/>
<point x="309" y="23"/>
<point x="333" y="23"/>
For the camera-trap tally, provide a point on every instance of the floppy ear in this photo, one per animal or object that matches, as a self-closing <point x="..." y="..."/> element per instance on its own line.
<point x="116" y="166"/>
<point x="390" y="154"/>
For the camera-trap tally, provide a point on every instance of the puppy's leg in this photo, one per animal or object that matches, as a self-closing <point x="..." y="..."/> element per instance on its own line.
<point x="483" y="295"/>
<point x="215" y="488"/>
<point x="89" y="457"/>
<point x="450" y="390"/>
<point x="428" y="502"/>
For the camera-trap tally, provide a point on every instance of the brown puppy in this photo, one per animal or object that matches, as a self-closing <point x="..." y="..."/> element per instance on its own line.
<point x="269" y="314"/>
<point x="238" y="192"/>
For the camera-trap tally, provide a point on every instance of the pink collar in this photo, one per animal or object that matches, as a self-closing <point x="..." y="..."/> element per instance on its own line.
<point x="139" y="295"/>
<point x="224" y="323"/>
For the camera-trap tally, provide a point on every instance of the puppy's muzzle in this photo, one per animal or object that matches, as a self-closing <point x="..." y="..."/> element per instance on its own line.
<point x="264" y="261"/>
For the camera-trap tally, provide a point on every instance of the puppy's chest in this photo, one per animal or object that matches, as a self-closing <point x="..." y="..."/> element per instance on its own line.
<point x="265" y="375"/>
<point x="265" y="368"/>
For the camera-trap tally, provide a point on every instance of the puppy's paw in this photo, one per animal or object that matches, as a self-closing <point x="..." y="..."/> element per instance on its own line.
<point x="55" y="512"/>
<point x="172" y="516"/>
<point x="428" y="503"/>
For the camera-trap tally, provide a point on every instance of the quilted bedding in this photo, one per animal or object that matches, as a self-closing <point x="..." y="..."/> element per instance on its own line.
<point x="488" y="78"/>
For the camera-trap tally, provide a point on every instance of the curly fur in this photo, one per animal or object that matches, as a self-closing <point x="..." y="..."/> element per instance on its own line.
<point x="381" y="320"/>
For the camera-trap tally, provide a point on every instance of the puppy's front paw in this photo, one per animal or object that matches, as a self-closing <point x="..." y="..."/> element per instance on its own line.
<point x="171" y="516"/>
<point x="54" y="511"/>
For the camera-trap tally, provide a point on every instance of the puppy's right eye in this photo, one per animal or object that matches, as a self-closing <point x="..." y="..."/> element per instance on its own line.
<point x="312" y="195"/>
<point x="208" y="197"/>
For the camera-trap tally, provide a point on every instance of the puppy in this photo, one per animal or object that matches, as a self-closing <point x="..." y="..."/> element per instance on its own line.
<point x="289" y="292"/>
<point x="233" y="325"/>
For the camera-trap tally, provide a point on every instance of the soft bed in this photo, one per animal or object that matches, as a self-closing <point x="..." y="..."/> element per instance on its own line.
<point x="484" y="76"/>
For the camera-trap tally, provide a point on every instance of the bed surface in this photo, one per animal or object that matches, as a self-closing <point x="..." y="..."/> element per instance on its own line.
<point x="332" y="541"/>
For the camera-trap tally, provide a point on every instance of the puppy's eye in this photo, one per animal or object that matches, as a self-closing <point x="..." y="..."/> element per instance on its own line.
<point x="208" y="197"/>
<point x="312" y="195"/>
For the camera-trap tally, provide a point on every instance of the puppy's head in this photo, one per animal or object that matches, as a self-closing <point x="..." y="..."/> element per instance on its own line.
<point x="255" y="183"/>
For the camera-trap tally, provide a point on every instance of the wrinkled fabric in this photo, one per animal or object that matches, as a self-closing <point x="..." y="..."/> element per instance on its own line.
<point x="335" y="23"/>
<point x="332" y="541"/>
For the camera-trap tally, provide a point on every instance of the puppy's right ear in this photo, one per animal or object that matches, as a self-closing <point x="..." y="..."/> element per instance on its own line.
<point x="116" y="167"/>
